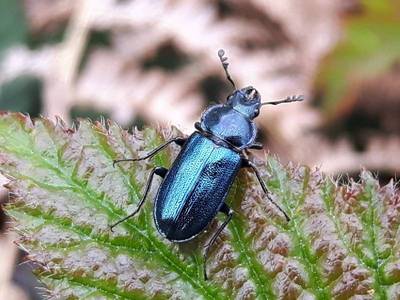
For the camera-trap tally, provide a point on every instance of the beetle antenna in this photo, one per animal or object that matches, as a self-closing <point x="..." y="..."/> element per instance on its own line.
<point x="287" y="100"/>
<point x="225" y="64"/>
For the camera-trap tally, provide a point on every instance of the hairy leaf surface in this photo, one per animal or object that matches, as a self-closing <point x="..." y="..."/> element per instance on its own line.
<point x="341" y="243"/>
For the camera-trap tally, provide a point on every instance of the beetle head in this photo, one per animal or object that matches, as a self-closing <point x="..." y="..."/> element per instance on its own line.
<point x="246" y="101"/>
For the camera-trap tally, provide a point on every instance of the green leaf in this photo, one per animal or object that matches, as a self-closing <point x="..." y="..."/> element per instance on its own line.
<point x="369" y="47"/>
<point x="341" y="242"/>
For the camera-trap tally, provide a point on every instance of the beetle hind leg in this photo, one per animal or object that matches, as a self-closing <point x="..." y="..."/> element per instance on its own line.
<point x="229" y="213"/>
<point x="160" y="171"/>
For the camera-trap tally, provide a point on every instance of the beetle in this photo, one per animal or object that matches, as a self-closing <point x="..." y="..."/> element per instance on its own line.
<point x="194" y="189"/>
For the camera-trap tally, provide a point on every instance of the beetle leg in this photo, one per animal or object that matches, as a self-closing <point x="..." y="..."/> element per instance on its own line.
<point x="160" y="171"/>
<point x="248" y="164"/>
<point x="256" y="146"/>
<point x="229" y="213"/>
<point x="179" y="141"/>
<point x="197" y="125"/>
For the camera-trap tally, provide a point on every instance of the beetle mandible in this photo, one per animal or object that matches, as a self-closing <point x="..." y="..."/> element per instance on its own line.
<point x="194" y="189"/>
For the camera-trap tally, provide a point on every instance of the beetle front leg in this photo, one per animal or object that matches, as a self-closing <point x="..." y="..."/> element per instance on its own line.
<point x="229" y="213"/>
<point x="248" y="164"/>
<point x="256" y="146"/>
<point x="160" y="171"/>
<point x="179" y="141"/>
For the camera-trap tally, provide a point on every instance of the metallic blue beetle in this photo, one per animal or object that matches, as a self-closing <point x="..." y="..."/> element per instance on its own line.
<point x="195" y="187"/>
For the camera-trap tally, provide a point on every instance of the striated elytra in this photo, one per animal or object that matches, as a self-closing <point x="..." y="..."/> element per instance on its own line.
<point x="194" y="189"/>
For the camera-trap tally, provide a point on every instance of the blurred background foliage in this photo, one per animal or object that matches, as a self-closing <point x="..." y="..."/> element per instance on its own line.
<point x="144" y="63"/>
<point x="359" y="80"/>
<point x="370" y="47"/>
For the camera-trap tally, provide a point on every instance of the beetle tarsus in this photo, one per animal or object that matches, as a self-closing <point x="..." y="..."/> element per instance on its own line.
<point x="247" y="163"/>
<point x="229" y="214"/>
<point x="122" y="220"/>
<point x="278" y="207"/>
<point x="178" y="140"/>
<point x="160" y="171"/>
<point x="117" y="161"/>
<point x="256" y="146"/>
